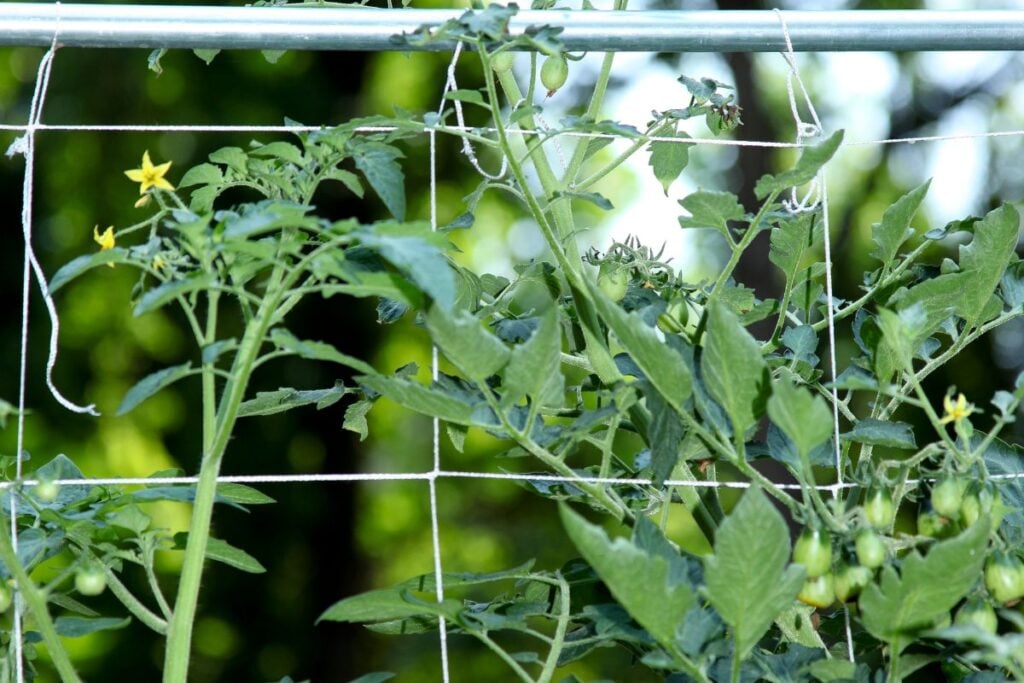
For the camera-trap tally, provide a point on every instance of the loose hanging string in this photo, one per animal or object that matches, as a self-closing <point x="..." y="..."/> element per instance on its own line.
<point x="817" y="194"/>
<point x="451" y="85"/>
<point x="25" y="145"/>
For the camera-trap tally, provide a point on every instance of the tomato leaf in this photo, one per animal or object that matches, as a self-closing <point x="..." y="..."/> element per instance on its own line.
<point x="748" y="581"/>
<point x="735" y="372"/>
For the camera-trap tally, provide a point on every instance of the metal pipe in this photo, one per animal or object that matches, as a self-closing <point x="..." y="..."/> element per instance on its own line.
<point x="357" y="28"/>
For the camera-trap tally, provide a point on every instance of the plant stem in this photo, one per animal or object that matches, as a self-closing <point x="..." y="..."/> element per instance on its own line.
<point x="133" y="604"/>
<point x="564" y="612"/>
<point x="505" y="657"/>
<point x="35" y="600"/>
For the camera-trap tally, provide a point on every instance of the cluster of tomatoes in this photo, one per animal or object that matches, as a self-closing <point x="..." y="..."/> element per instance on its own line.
<point x="953" y="505"/>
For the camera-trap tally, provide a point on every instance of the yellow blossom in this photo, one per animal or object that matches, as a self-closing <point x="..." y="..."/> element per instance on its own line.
<point x="150" y="175"/>
<point x="158" y="262"/>
<point x="104" y="239"/>
<point x="956" y="411"/>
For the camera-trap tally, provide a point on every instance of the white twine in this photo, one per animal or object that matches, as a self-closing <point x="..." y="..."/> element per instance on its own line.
<point x="817" y="194"/>
<point x="435" y="531"/>
<point x="451" y="84"/>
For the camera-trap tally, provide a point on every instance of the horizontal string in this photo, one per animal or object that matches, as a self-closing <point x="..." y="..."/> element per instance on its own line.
<point x="438" y="474"/>
<point x="455" y="130"/>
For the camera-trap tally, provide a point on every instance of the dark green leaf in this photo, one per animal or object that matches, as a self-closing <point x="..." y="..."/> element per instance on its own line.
<point x="426" y="400"/>
<point x="241" y="494"/>
<point x="642" y="583"/>
<point x="151" y="384"/>
<point x="734" y="370"/>
<point x="811" y="161"/>
<point x="316" y="350"/>
<point x="76" y="627"/>
<point x="232" y="157"/>
<point x="895" y="228"/>
<point x="882" y="433"/>
<point x="273" y="402"/>
<point x="280" y="150"/>
<point x="748" y="581"/>
<point x="203" y="174"/>
<point x="711" y="210"/>
<point x="222" y="551"/>
<point x="793" y="241"/>
<point x="534" y="367"/>
<point x="804" y="417"/>
<point x="377" y="162"/>
<point x="668" y="159"/>
<point x="160" y="296"/>
<point x="477" y="353"/>
<point x="925" y="588"/>
<point x="415" y="250"/>
<point x="76" y="267"/>
<point x="663" y="367"/>
<point x="355" y="418"/>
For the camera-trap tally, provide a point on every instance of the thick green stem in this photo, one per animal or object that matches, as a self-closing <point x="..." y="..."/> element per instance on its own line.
<point x="558" y="642"/>
<point x="133" y="604"/>
<point x="179" y="640"/>
<point x="35" y="600"/>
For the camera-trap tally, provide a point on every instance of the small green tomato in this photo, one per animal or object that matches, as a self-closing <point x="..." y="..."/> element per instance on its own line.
<point x="948" y="496"/>
<point x="614" y="283"/>
<point x="977" y="612"/>
<point x="1004" y="578"/>
<point x="813" y="550"/>
<point x="878" y="509"/>
<point x="502" y="62"/>
<point x="47" y="491"/>
<point x="553" y="73"/>
<point x="818" y="592"/>
<point x="90" y="581"/>
<point x="675" y="317"/>
<point x="871" y="549"/>
<point x="850" y="580"/>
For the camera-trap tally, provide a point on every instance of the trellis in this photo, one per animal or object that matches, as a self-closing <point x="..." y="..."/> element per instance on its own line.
<point x="311" y="28"/>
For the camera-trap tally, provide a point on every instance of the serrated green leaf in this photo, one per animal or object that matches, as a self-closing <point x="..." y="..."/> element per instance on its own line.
<point x="895" y="228"/>
<point x="280" y="150"/>
<point x="151" y="384"/>
<point x="534" y="368"/>
<point x="747" y="579"/>
<point x="793" y="240"/>
<point x="203" y="174"/>
<point x="240" y="494"/>
<point x="273" y="402"/>
<point x="804" y="417"/>
<point x="810" y="162"/>
<point x="642" y="583"/>
<point x="711" y="210"/>
<point x="378" y="163"/>
<point x="734" y="370"/>
<point x="316" y="350"/>
<point x="461" y="336"/>
<point x="232" y="157"/>
<point x="417" y="252"/>
<point x="662" y="365"/>
<point x="668" y="159"/>
<point x="225" y="553"/>
<point x="925" y="588"/>
<point x="158" y="297"/>
<point x="355" y="418"/>
<point x="76" y="627"/>
<point x="882" y="433"/>
<point x="422" y="399"/>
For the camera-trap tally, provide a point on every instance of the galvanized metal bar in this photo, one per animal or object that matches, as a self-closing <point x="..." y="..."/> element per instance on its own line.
<point x="361" y="29"/>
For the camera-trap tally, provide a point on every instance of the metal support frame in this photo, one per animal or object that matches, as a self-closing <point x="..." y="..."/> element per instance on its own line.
<point x="370" y="29"/>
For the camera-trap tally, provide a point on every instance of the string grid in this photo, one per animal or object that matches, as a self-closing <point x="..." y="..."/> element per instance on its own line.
<point x="815" y="197"/>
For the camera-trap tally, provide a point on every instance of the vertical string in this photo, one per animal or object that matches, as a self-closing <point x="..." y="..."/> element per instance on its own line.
<point x="436" y="435"/>
<point x="817" y="194"/>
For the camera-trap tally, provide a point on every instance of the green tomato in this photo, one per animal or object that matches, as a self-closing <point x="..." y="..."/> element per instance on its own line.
<point x="879" y="510"/>
<point x="1004" y="578"/>
<point x="977" y="612"/>
<point x="90" y="581"/>
<point x="813" y="550"/>
<point x="850" y="580"/>
<point x="502" y="62"/>
<point x="931" y="523"/>
<point x="6" y="597"/>
<point x="614" y="283"/>
<point x="982" y="500"/>
<point x="675" y="317"/>
<point x="553" y="73"/>
<point x="871" y="550"/>
<point x="818" y="592"/>
<point x="947" y="497"/>
<point x="47" y="491"/>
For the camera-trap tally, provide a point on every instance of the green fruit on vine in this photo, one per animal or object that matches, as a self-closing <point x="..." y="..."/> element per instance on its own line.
<point x="850" y="580"/>
<point x="47" y="491"/>
<point x="879" y="511"/>
<point x="982" y="500"/>
<point x="614" y="283"/>
<point x="90" y="581"/>
<point x="1004" y="578"/>
<point x="931" y="523"/>
<point x="977" y="612"/>
<point x="502" y="62"/>
<point x="947" y="497"/>
<point x="553" y="73"/>
<point x="818" y="591"/>
<point x="6" y="597"/>
<point x="675" y="317"/>
<point x="813" y="550"/>
<point x="871" y="550"/>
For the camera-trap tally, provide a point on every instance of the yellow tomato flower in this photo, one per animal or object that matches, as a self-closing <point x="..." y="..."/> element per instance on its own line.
<point x="106" y="239"/>
<point x="150" y="175"/>
<point x="956" y="411"/>
<point x="158" y="262"/>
